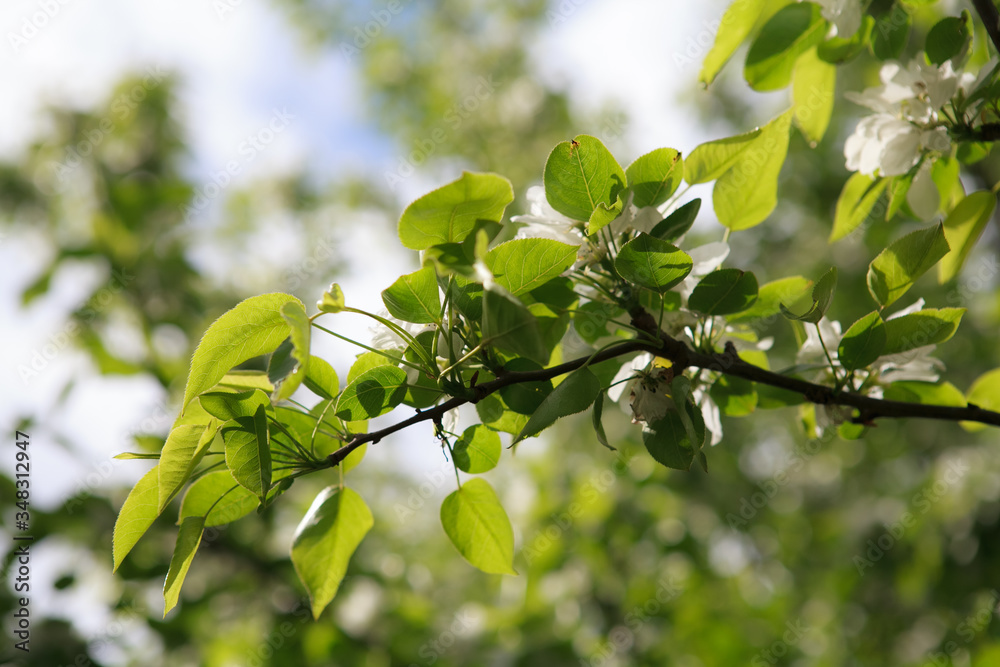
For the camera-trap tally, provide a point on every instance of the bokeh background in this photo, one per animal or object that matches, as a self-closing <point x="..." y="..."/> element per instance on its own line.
<point x="160" y="161"/>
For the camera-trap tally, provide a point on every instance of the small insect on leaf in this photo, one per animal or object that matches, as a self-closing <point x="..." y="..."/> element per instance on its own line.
<point x="573" y="145"/>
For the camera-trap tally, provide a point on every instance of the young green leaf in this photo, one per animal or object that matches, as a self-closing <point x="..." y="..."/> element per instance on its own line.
<point x="604" y="214"/>
<point x="414" y="297"/>
<point x="321" y="379"/>
<point x="795" y="29"/>
<point x="930" y="326"/>
<point x="580" y="175"/>
<point x="478" y="450"/>
<point x="227" y="405"/>
<point x="770" y="297"/>
<point x="218" y="499"/>
<point x="248" y="452"/>
<point x="333" y="300"/>
<point x="254" y="327"/>
<point x="372" y="393"/>
<point x="572" y="395"/>
<point x="326" y="539"/>
<point x="137" y="514"/>
<point x="856" y="201"/>
<point x="842" y="48"/>
<point x="891" y="31"/>
<point x="510" y="326"/>
<point x="521" y="265"/>
<point x="734" y="27"/>
<point x="822" y="295"/>
<point x="184" y="448"/>
<point x="300" y="331"/>
<point x="477" y="525"/>
<point x="653" y="177"/>
<point x="723" y="292"/>
<point x="863" y="342"/>
<point x="962" y="228"/>
<point x="813" y="85"/>
<point x="668" y="442"/>
<point x="188" y="540"/>
<point x="596" y="419"/>
<point x="896" y="268"/>
<point x="910" y="391"/>
<point x="450" y="213"/>
<point x="984" y="392"/>
<point x="677" y="223"/>
<point x="747" y="193"/>
<point x="949" y="39"/>
<point x="714" y="158"/>
<point x="652" y="263"/>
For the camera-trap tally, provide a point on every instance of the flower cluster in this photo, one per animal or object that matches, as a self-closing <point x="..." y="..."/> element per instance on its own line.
<point x="906" y="124"/>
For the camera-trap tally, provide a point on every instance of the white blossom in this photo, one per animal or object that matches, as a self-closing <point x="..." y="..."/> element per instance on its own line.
<point x="812" y="348"/>
<point x="845" y="15"/>
<point x="544" y="222"/>
<point x="709" y="413"/>
<point x="647" y="388"/>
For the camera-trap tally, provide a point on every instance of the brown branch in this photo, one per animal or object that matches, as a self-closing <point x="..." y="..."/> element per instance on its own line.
<point x="991" y="19"/>
<point x="681" y="356"/>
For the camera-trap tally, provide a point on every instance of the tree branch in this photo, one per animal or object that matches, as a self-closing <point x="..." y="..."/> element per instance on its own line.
<point x="991" y="19"/>
<point x="681" y="356"/>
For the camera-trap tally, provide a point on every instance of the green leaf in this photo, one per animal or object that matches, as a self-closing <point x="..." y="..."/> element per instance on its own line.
<point x="949" y="39"/>
<point x="890" y="33"/>
<point x="572" y="395"/>
<point x="840" y="49"/>
<point x="333" y="300"/>
<point x="735" y="26"/>
<point x="321" y="379"/>
<point x="188" y="540"/>
<point x="677" y="223"/>
<point x="714" y="158"/>
<point x="795" y="29"/>
<point x="477" y="525"/>
<point x="856" y="201"/>
<point x="746" y="194"/>
<point x="372" y="393"/>
<point x="243" y="380"/>
<point x="863" y="342"/>
<point x="580" y="175"/>
<point x="984" y="392"/>
<point x="735" y="396"/>
<point x="604" y="215"/>
<point x="652" y="263"/>
<point x="478" y="450"/>
<point x="930" y="326"/>
<point x="508" y="325"/>
<point x="896" y="268"/>
<point x="723" y="292"/>
<point x="962" y="228"/>
<point x="668" y="441"/>
<point x="287" y="381"/>
<point x="254" y="327"/>
<point x="598" y="422"/>
<point x="326" y="539"/>
<point x="450" y="213"/>
<point x="218" y="499"/>
<point x="248" y="452"/>
<point x="521" y="265"/>
<point x="822" y="295"/>
<point x="653" y="177"/>
<point x="228" y="405"/>
<point x="814" y="83"/>
<point x="137" y="514"/>
<point x="927" y="393"/>
<point x="414" y="297"/>
<point x="184" y="448"/>
<point x="771" y="296"/>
